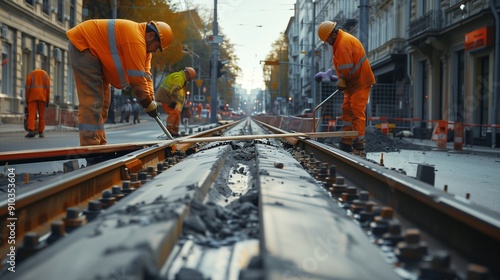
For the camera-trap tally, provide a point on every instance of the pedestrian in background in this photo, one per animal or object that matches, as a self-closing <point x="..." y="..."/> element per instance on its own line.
<point x="136" y="108"/>
<point x="126" y="111"/>
<point x="172" y="94"/>
<point x="116" y="52"/>
<point x="37" y="89"/>
<point x="355" y="80"/>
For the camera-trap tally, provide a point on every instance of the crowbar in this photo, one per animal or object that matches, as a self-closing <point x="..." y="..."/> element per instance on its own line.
<point x="169" y="136"/>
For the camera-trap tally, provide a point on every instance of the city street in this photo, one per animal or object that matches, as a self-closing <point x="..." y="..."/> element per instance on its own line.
<point x="463" y="173"/>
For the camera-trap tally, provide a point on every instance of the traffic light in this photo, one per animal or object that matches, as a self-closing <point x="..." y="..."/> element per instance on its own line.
<point x="220" y="64"/>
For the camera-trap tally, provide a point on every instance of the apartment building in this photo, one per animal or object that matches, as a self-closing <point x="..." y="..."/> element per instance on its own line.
<point x="433" y="60"/>
<point x="33" y="35"/>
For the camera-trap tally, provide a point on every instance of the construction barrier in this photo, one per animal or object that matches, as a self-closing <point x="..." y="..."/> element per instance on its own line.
<point x="331" y="123"/>
<point x="458" y="136"/>
<point x="442" y="132"/>
<point x="384" y="127"/>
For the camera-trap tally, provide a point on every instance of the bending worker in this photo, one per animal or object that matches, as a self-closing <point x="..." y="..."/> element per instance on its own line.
<point x="37" y="88"/>
<point x="116" y="52"/>
<point x="172" y="95"/>
<point x="355" y="80"/>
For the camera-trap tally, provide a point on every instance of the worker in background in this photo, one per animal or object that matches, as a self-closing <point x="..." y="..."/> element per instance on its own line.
<point x="136" y="108"/>
<point x="355" y="80"/>
<point x="37" y="88"/>
<point x="116" y="52"/>
<point x="172" y="94"/>
<point x="126" y="111"/>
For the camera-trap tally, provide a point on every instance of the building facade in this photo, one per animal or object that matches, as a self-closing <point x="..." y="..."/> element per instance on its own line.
<point x="33" y="35"/>
<point x="433" y="60"/>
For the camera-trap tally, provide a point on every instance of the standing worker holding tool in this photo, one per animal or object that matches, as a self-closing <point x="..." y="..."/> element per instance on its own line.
<point x="37" y="88"/>
<point x="116" y="52"/>
<point x="355" y="80"/>
<point x="172" y="95"/>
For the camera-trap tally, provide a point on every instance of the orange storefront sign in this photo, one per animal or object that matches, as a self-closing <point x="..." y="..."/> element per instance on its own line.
<point x="479" y="38"/>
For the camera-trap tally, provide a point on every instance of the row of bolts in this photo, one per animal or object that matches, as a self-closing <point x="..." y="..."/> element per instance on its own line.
<point x="381" y="223"/>
<point x="74" y="219"/>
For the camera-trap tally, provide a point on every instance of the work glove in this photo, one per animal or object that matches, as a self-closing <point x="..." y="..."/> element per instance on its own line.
<point x="341" y="85"/>
<point x="152" y="109"/>
<point x="325" y="76"/>
<point x="172" y="105"/>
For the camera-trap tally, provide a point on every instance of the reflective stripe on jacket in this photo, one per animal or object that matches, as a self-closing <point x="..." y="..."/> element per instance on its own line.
<point x="351" y="63"/>
<point x="120" y="45"/>
<point x="37" y="86"/>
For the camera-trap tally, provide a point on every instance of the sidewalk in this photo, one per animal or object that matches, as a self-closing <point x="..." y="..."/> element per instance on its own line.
<point x="19" y="128"/>
<point x="450" y="147"/>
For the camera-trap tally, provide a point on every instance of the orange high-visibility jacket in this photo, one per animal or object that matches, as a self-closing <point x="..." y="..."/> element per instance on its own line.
<point x="120" y="45"/>
<point x="351" y="63"/>
<point x="37" y="86"/>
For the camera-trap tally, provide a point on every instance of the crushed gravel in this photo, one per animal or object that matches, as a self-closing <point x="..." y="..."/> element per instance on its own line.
<point x="377" y="142"/>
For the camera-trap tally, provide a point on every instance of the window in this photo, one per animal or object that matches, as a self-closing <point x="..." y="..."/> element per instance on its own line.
<point x="60" y="10"/>
<point x="7" y="68"/>
<point x="72" y="13"/>
<point x="46" y="7"/>
<point x="30" y="2"/>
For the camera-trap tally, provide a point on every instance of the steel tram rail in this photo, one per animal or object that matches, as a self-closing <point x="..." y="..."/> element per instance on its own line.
<point x="473" y="231"/>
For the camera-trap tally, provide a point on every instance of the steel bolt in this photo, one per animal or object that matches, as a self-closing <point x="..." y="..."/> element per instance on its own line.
<point x="93" y="210"/>
<point x="411" y="248"/>
<point x="73" y="220"/>
<point x="127" y="187"/>
<point x="116" y="191"/>
<point x="107" y="199"/>
<point x="56" y="232"/>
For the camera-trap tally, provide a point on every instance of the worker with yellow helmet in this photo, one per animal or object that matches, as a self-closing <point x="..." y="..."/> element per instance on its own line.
<point x="172" y="95"/>
<point x="355" y="80"/>
<point x="114" y="52"/>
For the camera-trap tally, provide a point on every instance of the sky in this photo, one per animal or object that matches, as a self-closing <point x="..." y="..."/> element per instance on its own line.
<point x="251" y="26"/>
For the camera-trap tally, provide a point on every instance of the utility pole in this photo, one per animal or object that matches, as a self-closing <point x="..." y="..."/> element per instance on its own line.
<point x="313" y="51"/>
<point x="215" y="60"/>
<point x="363" y="23"/>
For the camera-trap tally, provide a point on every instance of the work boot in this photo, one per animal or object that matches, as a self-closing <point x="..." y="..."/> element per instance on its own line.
<point x="30" y="134"/>
<point x="359" y="144"/>
<point x="345" y="147"/>
<point x="41" y="135"/>
<point x="358" y="147"/>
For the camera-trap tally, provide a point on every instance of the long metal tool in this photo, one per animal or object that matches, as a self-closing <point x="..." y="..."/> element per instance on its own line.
<point x="317" y="107"/>
<point x="165" y="130"/>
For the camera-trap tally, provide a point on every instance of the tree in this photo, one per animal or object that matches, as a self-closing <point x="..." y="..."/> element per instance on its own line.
<point x="276" y="76"/>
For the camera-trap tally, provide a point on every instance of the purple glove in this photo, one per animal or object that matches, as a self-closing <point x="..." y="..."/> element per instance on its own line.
<point x="325" y="76"/>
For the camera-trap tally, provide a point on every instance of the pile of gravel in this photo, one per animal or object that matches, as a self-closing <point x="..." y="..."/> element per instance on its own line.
<point x="377" y="142"/>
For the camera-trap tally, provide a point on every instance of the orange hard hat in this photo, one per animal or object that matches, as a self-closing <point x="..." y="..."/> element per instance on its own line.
<point x="325" y="29"/>
<point x="164" y="32"/>
<point x="191" y="73"/>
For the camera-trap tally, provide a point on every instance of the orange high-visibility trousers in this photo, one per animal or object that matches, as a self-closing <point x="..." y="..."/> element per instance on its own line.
<point x="354" y="113"/>
<point x="173" y="119"/>
<point x="33" y="107"/>
<point x="94" y="96"/>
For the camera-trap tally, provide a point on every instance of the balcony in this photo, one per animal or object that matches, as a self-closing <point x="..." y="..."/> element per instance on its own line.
<point x="427" y="25"/>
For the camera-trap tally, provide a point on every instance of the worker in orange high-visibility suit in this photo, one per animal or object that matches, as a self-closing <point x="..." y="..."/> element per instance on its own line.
<point x="172" y="95"/>
<point x="116" y="52"/>
<point x="355" y="80"/>
<point x="37" y="88"/>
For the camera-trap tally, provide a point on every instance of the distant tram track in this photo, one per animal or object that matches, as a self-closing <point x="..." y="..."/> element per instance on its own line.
<point x="292" y="208"/>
